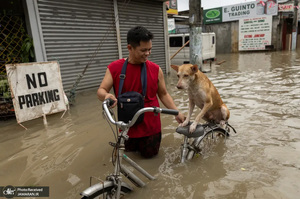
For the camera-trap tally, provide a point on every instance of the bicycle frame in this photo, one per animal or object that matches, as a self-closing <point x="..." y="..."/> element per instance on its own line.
<point x="115" y="180"/>
<point x="119" y="167"/>
<point x="188" y="150"/>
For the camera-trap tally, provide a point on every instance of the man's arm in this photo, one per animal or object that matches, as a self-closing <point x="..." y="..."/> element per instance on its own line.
<point x="104" y="88"/>
<point x="165" y="97"/>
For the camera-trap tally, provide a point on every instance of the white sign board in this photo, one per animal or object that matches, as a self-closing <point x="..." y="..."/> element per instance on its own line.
<point x="36" y="89"/>
<point x="250" y="10"/>
<point x="171" y="24"/>
<point x="255" y="33"/>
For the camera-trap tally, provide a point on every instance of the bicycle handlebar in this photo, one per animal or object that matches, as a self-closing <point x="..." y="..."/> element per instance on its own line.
<point x="169" y="111"/>
<point x="109" y="102"/>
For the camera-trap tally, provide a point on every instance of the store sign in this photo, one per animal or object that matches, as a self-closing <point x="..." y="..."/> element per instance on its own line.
<point x="250" y="10"/>
<point x="255" y="33"/>
<point x="239" y="11"/>
<point x="171" y="25"/>
<point x="172" y="5"/>
<point x="286" y="7"/>
<point x="212" y="15"/>
<point x="36" y="89"/>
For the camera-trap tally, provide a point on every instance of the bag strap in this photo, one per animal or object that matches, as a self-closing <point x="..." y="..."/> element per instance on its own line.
<point x="143" y="77"/>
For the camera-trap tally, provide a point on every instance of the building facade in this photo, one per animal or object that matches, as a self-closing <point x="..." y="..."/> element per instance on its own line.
<point x="91" y="34"/>
<point x="224" y="22"/>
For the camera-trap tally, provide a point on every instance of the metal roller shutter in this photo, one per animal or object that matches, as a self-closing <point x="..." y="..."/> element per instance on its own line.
<point x="150" y="15"/>
<point x="73" y="30"/>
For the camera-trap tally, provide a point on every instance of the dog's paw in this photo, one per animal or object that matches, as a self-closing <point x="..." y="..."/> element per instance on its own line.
<point x="185" y="123"/>
<point x="193" y="127"/>
<point x="222" y="124"/>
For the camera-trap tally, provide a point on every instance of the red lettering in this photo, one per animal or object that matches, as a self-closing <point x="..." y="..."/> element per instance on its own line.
<point x="259" y="35"/>
<point x="262" y="3"/>
<point x="281" y="7"/>
<point x="272" y="4"/>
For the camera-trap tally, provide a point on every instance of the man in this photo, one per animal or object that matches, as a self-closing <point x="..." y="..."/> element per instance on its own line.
<point x="146" y="136"/>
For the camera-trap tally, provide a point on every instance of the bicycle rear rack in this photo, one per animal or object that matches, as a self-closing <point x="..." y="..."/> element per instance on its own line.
<point x="198" y="134"/>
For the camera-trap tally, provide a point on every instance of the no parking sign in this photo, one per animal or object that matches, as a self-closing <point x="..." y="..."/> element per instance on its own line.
<point x="36" y="89"/>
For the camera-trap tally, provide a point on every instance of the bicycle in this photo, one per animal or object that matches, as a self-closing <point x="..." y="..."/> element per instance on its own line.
<point x="205" y="137"/>
<point x="113" y="186"/>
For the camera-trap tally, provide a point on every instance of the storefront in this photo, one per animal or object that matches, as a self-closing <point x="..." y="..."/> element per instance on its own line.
<point x="286" y="14"/>
<point x="80" y="33"/>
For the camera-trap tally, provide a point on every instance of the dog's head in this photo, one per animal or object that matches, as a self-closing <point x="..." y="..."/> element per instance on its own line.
<point x="186" y="74"/>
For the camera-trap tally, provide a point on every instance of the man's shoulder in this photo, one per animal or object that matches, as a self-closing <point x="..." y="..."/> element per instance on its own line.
<point x="152" y="64"/>
<point x="116" y="64"/>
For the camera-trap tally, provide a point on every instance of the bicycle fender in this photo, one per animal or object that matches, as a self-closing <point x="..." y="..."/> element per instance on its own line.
<point x="101" y="186"/>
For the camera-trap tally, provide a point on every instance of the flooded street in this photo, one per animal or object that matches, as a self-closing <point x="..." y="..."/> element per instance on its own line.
<point x="262" y="92"/>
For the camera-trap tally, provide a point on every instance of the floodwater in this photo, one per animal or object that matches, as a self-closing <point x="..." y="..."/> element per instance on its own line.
<point x="262" y="91"/>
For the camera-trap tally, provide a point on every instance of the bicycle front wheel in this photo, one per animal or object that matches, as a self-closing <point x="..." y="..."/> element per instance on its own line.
<point x="207" y="143"/>
<point x="106" y="190"/>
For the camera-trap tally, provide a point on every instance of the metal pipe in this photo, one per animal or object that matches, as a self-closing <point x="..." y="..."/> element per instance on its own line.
<point x="295" y="25"/>
<point x="133" y="178"/>
<point x="184" y="149"/>
<point x="137" y="167"/>
<point x="118" y="29"/>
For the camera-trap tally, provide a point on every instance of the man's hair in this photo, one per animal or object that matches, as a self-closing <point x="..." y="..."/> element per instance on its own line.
<point x="137" y="34"/>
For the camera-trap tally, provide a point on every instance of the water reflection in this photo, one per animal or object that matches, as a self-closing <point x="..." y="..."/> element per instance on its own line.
<point x="262" y="91"/>
<point x="246" y="63"/>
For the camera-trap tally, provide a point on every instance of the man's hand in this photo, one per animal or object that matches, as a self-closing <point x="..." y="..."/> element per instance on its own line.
<point x="180" y="118"/>
<point x="111" y="96"/>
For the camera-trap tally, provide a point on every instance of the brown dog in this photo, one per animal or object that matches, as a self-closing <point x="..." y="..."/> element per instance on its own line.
<point x="202" y="93"/>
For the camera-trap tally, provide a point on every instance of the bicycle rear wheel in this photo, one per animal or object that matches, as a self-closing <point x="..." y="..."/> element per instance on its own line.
<point x="104" y="191"/>
<point x="206" y="144"/>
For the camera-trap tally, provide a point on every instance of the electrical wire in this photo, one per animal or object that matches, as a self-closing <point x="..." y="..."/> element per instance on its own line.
<point x="72" y="91"/>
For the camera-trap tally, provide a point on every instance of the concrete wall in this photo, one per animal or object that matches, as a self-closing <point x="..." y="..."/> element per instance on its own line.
<point x="227" y="35"/>
<point x="234" y="36"/>
<point x="277" y="32"/>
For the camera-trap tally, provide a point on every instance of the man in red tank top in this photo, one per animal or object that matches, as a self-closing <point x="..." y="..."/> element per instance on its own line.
<point x="146" y="136"/>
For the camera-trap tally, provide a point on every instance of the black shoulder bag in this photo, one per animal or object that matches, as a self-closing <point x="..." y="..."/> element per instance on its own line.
<point x="130" y="102"/>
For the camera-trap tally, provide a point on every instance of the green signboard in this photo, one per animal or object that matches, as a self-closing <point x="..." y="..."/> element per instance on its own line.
<point x="213" y="15"/>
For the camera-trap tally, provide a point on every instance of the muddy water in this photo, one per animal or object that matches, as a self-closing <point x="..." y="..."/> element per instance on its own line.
<point x="262" y="91"/>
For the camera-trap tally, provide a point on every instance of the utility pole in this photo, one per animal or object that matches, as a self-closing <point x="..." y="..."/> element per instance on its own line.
<point x="195" y="32"/>
<point x="295" y="25"/>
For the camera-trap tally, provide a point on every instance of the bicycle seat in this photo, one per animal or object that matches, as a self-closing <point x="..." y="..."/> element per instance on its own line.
<point x="184" y="130"/>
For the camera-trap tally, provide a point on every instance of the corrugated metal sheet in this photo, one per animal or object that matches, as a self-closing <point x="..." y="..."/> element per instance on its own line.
<point x="73" y="30"/>
<point x="150" y="15"/>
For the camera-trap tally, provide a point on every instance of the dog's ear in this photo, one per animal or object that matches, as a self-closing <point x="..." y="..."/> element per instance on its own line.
<point x="194" y="68"/>
<point x="175" y="67"/>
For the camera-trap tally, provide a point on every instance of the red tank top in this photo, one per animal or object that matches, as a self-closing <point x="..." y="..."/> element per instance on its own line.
<point x="151" y="124"/>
